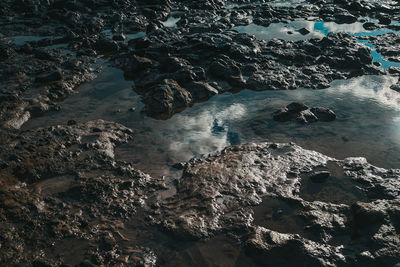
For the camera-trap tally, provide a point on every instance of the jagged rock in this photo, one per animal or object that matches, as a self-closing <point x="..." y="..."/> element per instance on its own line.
<point x="166" y="98"/>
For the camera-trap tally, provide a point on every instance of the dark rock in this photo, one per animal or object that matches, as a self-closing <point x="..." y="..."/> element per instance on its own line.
<point x="226" y="69"/>
<point x="282" y="115"/>
<point x="323" y="114"/>
<point x="367" y="215"/>
<point x="298" y="111"/>
<point x="166" y="98"/>
<point x="41" y="263"/>
<point x="306" y="116"/>
<point x="218" y="194"/>
<point x="296" y="107"/>
<point x="119" y="37"/>
<point x="71" y="122"/>
<point x="370" y="26"/>
<point x="345" y="18"/>
<point x="385" y="20"/>
<point x="48" y="77"/>
<point x="106" y="46"/>
<point x="201" y="90"/>
<point x="303" y="31"/>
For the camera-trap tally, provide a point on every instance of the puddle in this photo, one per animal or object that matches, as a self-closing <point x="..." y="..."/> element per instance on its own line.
<point x="362" y="106"/>
<point x="318" y="29"/>
<point x="170" y="22"/>
<point x="281" y="216"/>
<point x="331" y="185"/>
<point x="22" y="39"/>
<point x="287" y="3"/>
<point x="129" y="36"/>
<point x="277" y="3"/>
<point x="284" y="31"/>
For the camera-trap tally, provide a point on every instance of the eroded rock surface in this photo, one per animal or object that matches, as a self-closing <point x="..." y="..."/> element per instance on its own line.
<point x="66" y="200"/>
<point x="282" y="200"/>
<point x="63" y="196"/>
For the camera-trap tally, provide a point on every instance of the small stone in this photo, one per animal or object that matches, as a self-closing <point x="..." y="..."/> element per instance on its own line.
<point x="324" y="114"/>
<point x="303" y="31"/>
<point x="296" y="107"/>
<point x="385" y="20"/>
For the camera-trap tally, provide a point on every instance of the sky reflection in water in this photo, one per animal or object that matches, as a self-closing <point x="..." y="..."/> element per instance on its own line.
<point x="317" y="29"/>
<point x="368" y="123"/>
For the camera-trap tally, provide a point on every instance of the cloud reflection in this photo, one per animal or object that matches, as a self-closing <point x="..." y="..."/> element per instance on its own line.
<point x="199" y="137"/>
<point x="375" y="88"/>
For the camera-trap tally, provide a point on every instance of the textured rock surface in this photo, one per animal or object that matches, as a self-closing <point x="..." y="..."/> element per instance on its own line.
<point x="271" y="192"/>
<point x="62" y="195"/>
<point x="65" y="199"/>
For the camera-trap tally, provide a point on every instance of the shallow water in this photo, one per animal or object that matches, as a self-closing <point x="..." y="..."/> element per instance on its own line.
<point x="367" y="124"/>
<point x="22" y="39"/>
<point x="171" y="22"/>
<point x="318" y="30"/>
<point x="129" y="36"/>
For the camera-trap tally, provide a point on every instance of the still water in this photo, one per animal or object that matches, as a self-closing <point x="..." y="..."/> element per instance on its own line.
<point x="318" y="30"/>
<point x="367" y="124"/>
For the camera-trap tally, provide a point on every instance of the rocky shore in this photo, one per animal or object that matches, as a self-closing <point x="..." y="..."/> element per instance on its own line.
<point x="67" y="200"/>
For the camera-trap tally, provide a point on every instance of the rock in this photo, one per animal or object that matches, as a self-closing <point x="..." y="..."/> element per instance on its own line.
<point x="71" y="122"/>
<point x="306" y="116"/>
<point x="282" y="115"/>
<point x="119" y="37"/>
<point x="220" y="194"/>
<point x="370" y="26"/>
<point x="73" y="181"/>
<point x="296" y="107"/>
<point x="201" y="90"/>
<point x="323" y="114"/>
<point x="106" y="46"/>
<point x="385" y="20"/>
<point x="299" y="112"/>
<point x="140" y="64"/>
<point x="367" y="215"/>
<point x="303" y="31"/>
<point x="272" y="247"/>
<point x="227" y="70"/>
<point x="48" y="77"/>
<point x="345" y="18"/>
<point x="166" y="98"/>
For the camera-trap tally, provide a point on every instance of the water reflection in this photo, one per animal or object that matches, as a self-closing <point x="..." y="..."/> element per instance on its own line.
<point x="284" y="31"/>
<point x="22" y="39"/>
<point x="367" y="122"/>
<point x="318" y="29"/>
<point x="171" y="22"/>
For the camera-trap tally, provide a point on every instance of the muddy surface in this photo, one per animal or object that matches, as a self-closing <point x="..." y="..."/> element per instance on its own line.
<point x="133" y="133"/>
